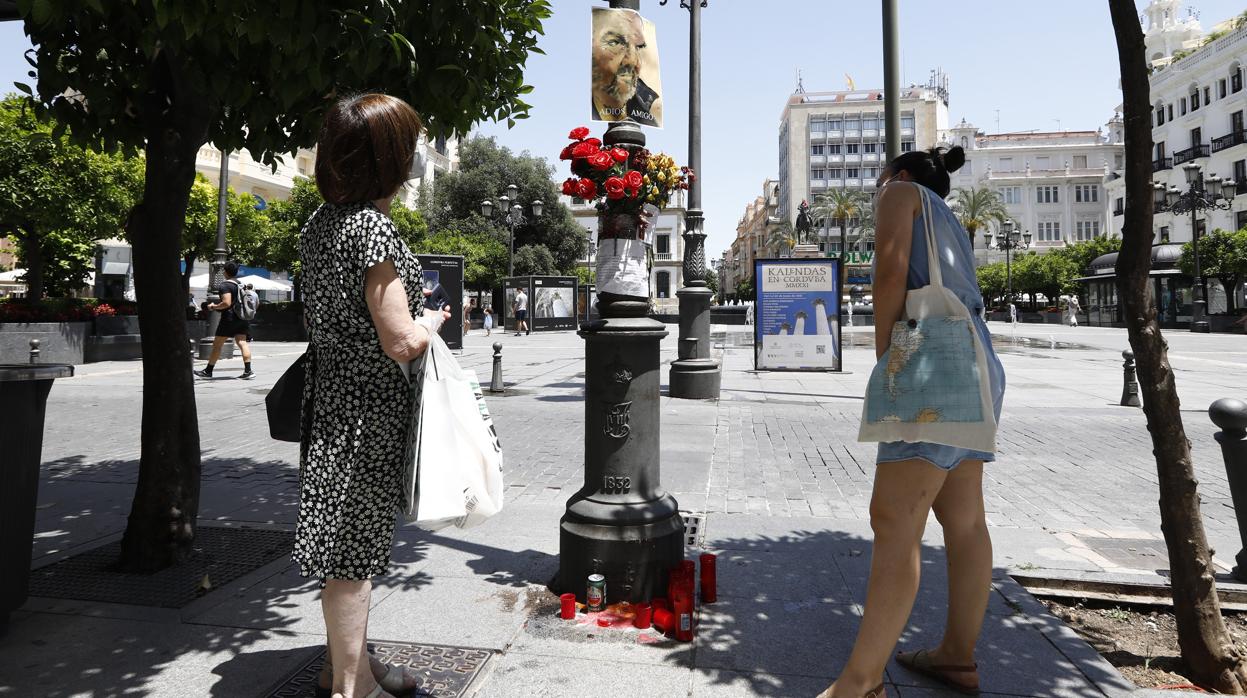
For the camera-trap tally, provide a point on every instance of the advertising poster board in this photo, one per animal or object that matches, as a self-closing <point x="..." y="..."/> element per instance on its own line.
<point x="510" y="289"/>
<point x="443" y="277"/>
<point x="797" y="315"/>
<point x="586" y="302"/>
<point x="554" y="303"/>
<point x="624" y="78"/>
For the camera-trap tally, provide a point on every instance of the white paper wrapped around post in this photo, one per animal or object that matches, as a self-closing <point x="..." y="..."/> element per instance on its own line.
<point x="621" y="267"/>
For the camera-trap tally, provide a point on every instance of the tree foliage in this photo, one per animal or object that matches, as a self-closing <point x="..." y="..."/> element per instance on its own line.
<point x="535" y="260"/>
<point x="978" y="207"/>
<point x="248" y="232"/>
<point x="484" y="258"/>
<point x="485" y="171"/>
<point x="57" y="198"/>
<point x="1222" y="256"/>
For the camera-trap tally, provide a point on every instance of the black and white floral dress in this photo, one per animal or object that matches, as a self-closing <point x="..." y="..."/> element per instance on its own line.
<point x="351" y="464"/>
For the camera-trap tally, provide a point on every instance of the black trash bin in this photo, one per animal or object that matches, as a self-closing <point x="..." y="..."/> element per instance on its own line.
<point x="24" y="394"/>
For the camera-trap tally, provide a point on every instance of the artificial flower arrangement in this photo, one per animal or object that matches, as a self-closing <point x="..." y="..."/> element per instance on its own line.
<point x="621" y="182"/>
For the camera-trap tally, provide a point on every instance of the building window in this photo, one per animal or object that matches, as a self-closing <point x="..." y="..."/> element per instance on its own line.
<point x="816" y="173"/>
<point x="1086" y="230"/>
<point x="965" y="143"/>
<point x="663" y="244"/>
<point x="816" y="150"/>
<point x="1080" y="162"/>
<point x="1240" y="174"/>
<point x="1086" y="193"/>
<point x="852" y="172"/>
<point x="834" y="124"/>
<point x="907" y="122"/>
<point x="907" y="146"/>
<point x="835" y="173"/>
<point x="818" y="125"/>
<point x="834" y="148"/>
<point x="1159" y="117"/>
<point x="1164" y="235"/>
<point x="1182" y="107"/>
<point x="1169" y="111"/>
<point x="1207" y="95"/>
<point x="1221" y="88"/>
<point x="1195" y="100"/>
<point x="577" y="201"/>
<point x="870" y="123"/>
<point x="1048" y="194"/>
<point x="1043" y="162"/>
<point x="1240" y="220"/>
<point x="852" y="148"/>
<point x="871" y="147"/>
<point x="1010" y="195"/>
<point x="1197" y="136"/>
<point x="1236" y="81"/>
<point x="870" y="172"/>
<point x="1049" y="231"/>
<point x="662" y="283"/>
<point x="852" y="125"/>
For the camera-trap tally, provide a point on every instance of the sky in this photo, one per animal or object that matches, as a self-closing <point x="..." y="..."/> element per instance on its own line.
<point x="1032" y="64"/>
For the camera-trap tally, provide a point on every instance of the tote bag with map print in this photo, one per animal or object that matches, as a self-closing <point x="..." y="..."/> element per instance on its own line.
<point x="932" y="384"/>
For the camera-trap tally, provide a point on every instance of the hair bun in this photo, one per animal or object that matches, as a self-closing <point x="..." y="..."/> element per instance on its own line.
<point x="953" y="159"/>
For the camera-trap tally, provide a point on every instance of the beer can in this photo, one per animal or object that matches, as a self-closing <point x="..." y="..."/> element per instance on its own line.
<point x="595" y="595"/>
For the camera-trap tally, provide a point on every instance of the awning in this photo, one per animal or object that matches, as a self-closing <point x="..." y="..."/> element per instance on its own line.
<point x="1154" y="272"/>
<point x="115" y="269"/>
<point x="259" y="283"/>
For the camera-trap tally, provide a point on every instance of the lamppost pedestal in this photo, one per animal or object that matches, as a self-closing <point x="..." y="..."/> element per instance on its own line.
<point x="1199" y="314"/>
<point x="694" y="375"/>
<point x="621" y="524"/>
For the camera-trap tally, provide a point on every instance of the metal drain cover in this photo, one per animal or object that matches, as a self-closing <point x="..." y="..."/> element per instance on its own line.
<point x="445" y="671"/>
<point x="221" y="555"/>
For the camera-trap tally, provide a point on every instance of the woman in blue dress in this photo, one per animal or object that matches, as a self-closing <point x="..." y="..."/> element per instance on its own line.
<point x="912" y="479"/>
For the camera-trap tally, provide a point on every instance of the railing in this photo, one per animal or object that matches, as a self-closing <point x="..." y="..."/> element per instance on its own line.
<point x="662" y="256"/>
<point x="1195" y="151"/>
<point x="1162" y="164"/>
<point x="1229" y="140"/>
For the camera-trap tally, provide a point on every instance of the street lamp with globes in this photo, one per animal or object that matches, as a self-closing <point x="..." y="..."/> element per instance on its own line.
<point x="1009" y="238"/>
<point x="512" y="215"/>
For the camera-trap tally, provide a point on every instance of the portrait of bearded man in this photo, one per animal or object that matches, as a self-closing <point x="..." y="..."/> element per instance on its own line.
<point x="619" y="46"/>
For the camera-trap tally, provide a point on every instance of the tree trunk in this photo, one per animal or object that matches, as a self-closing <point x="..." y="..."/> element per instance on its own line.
<point x="161" y="526"/>
<point x="1207" y="650"/>
<point x="33" y="258"/>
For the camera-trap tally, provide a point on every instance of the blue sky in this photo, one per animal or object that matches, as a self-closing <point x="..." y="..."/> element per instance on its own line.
<point x="1038" y="63"/>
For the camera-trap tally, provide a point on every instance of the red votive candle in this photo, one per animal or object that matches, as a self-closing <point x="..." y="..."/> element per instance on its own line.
<point x="644" y="614"/>
<point x="664" y="620"/>
<point x="709" y="579"/>
<point x="567" y="606"/>
<point x="660" y="602"/>
<point x="683" y="603"/>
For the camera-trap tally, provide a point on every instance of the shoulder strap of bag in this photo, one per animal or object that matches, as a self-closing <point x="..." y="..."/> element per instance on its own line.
<point x="934" y="269"/>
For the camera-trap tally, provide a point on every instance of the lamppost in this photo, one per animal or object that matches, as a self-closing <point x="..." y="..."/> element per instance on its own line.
<point x="1010" y="238"/>
<point x="512" y="215"/>
<point x="216" y="271"/>
<point x="1201" y="195"/>
<point x="694" y="375"/>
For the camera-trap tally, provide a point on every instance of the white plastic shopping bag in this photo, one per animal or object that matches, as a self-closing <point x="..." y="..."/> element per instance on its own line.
<point x="454" y="459"/>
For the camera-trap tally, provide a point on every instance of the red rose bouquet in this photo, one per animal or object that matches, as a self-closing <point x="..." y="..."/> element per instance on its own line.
<point x="619" y="181"/>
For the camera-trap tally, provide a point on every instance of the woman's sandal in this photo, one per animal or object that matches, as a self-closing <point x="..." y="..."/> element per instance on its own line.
<point x="919" y="662"/>
<point x="876" y="692"/>
<point x="392" y="683"/>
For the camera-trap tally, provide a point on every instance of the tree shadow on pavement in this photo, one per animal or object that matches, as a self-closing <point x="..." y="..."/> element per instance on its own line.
<point x="790" y="604"/>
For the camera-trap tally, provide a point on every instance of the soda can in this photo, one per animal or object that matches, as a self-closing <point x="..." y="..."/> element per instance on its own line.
<point x="595" y="595"/>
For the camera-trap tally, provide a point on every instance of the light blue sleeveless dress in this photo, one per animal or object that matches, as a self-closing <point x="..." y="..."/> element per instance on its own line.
<point x="957" y="264"/>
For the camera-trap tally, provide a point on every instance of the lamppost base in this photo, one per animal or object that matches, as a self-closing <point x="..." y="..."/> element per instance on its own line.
<point x="694" y="375"/>
<point x="695" y="379"/>
<point x="1201" y="326"/>
<point x="632" y="545"/>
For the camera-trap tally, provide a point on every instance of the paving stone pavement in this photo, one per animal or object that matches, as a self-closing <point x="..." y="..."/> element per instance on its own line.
<point x="773" y="465"/>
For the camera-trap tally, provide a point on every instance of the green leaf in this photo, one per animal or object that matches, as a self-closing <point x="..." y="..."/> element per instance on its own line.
<point x="23" y="87"/>
<point x="41" y="12"/>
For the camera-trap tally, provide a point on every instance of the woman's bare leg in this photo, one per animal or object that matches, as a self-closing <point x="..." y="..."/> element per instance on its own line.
<point x="345" y="605"/>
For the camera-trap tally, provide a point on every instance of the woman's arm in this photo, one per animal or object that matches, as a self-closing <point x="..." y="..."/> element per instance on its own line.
<point x="401" y="338"/>
<point x="898" y="206"/>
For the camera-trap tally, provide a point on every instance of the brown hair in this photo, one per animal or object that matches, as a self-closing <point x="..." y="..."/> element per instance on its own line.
<point x="366" y="145"/>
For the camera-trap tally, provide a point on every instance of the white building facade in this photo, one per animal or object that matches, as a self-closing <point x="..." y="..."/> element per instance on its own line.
<point x="836" y="140"/>
<point x="1052" y="183"/>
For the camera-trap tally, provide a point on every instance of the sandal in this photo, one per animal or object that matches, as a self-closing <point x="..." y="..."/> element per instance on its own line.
<point x="392" y="683"/>
<point x="876" y="692"/>
<point x="919" y="662"/>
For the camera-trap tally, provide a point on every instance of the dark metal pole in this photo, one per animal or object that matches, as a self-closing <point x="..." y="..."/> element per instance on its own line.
<point x="1231" y="417"/>
<point x="1199" y="316"/>
<point x="1009" y="268"/>
<point x="511" y="246"/>
<point x="694" y="375"/>
<point x="891" y="79"/>
<point x="216" y="274"/>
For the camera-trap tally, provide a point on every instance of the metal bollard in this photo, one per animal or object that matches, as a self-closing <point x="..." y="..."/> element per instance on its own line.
<point x="1231" y="416"/>
<point x="495" y="384"/>
<point x="1130" y="388"/>
<point x="34" y="351"/>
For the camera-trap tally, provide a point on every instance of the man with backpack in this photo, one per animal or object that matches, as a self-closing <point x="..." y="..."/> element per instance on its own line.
<point x="237" y="306"/>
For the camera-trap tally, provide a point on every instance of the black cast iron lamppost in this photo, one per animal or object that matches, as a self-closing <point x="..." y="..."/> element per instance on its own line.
<point x="1011" y="238"/>
<point x="512" y="215"/>
<point x="1201" y="195"/>
<point x="694" y="375"/>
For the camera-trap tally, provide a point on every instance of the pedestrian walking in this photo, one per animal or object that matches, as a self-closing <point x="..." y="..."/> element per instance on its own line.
<point x="489" y="319"/>
<point x="1074" y="309"/>
<point x="521" y="313"/>
<point x="467" y="315"/>
<point x="231" y="325"/>
<point x="364" y="306"/>
<point x="911" y="479"/>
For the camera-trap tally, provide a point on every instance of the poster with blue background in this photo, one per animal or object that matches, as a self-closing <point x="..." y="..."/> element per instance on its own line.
<point x="797" y="314"/>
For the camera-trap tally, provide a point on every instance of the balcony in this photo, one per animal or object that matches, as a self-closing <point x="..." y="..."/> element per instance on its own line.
<point x="1229" y="140"/>
<point x="1162" y="164"/>
<point x="1195" y="151"/>
<point x="662" y="256"/>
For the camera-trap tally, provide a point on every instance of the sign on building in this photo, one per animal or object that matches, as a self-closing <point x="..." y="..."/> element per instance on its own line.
<point x="797" y="315"/>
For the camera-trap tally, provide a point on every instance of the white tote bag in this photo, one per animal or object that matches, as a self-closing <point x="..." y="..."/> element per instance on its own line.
<point x="454" y="465"/>
<point x="933" y="384"/>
